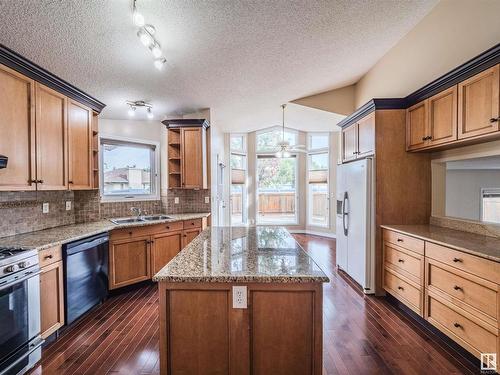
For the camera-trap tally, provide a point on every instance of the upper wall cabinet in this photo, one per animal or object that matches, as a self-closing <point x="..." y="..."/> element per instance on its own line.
<point x="358" y="140"/>
<point x="187" y="154"/>
<point x="17" y="129"/>
<point x="478" y="104"/>
<point x="80" y="166"/>
<point x="462" y="114"/>
<point x="50" y="139"/>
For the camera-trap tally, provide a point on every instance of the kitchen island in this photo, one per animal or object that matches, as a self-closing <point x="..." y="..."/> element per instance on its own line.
<point x="273" y="325"/>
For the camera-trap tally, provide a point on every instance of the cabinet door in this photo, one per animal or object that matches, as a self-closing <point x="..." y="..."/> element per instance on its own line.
<point x="164" y="247"/>
<point x="51" y="298"/>
<point x="192" y="158"/>
<point x="443" y="117"/>
<point x="349" y="143"/>
<point x="478" y="104"/>
<point x="17" y="130"/>
<point x="129" y="261"/>
<point x="51" y="154"/>
<point x="366" y="136"/>
<point x="79" y="146"/>
<point x="189" y="235"/>
<point x="416" y="126"/>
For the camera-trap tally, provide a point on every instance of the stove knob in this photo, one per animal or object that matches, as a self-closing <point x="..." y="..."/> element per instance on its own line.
<point x="12" y="268"/>
<point x="23" y="264"/>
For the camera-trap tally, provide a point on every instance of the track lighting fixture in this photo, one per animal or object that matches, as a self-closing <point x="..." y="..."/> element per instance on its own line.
<point x="133" y="105"/>
<point x="146" y="36"/>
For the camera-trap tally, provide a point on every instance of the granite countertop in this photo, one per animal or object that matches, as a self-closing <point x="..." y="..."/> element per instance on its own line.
<point x="46" y="238"/>
<point x="237" y="254"/>
<point x="475" y="244"/>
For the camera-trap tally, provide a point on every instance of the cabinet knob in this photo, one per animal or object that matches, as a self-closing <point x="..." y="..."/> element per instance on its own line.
<point x="354" y="152"/>
<point x="424" y="138"/>
<point x="70" y="182"/>
<point x="492" y="120"/>
<point x="456" y="260"/>
<point x="130" y="233"/>
<point x="48" y="256"/>
<point x="401" y="260"/>
<point x="457" y="325"/>
<point x="456" y="287"/>
<point x="168" y="227"/>
<point x="401" y="288"/>
<point x="400" y="240"/>
<point x="39" y="181"/>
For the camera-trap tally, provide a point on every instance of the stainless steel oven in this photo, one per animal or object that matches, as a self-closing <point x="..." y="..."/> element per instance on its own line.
<point x="20" y="341"/>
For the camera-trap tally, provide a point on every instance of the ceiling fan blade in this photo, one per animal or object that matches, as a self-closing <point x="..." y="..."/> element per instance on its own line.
<point x="299" y="146"/>
<point x="298" y="150"/>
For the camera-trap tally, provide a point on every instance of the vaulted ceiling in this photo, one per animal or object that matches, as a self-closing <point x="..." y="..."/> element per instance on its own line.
<point x="241" y="59"/>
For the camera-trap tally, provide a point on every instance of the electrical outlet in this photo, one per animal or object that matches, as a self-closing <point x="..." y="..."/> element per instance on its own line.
<point x="68" y="205"/>
<point x="239" y="297"/>
<point x="45" y="208"/>
<point x="207" y="199"/>
<point x="176" y="200"/>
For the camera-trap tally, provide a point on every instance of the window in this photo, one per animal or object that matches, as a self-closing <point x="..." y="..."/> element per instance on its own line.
<point x="276" y="190"/>
<point x="267" y="140"/>
<point x="317" y="175"/>
<point x="128" y="170"/>
<point x="490" y="205"/>
<point x="238" y="189"/>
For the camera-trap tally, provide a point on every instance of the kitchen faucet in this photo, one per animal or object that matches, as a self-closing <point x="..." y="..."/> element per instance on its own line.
<point x="136" y="211"/>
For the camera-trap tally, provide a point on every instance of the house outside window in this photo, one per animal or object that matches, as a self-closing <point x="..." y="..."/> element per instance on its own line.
<point x="128" y="170"/>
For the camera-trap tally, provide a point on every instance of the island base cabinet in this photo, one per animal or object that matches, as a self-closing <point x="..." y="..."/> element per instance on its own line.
<point x="280" y="331"/>
<point x="129" y="261"/>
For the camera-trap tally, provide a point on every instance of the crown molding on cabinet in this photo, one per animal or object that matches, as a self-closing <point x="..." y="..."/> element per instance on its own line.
<point x="24" y="66"/>
<point x="485" y="60"/>
<point x="186" y="123"/>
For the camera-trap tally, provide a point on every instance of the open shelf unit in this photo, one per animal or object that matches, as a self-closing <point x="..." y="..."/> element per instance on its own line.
<point x="174" y="158"/>
<point x="95" y="151"/>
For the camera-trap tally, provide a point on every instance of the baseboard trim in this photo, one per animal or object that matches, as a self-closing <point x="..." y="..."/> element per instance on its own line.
<point x="313" y="232"/>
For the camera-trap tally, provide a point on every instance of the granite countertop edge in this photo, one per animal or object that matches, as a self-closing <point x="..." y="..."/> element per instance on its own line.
<point x="409" y="230"/>
<point x="78" y="231"/>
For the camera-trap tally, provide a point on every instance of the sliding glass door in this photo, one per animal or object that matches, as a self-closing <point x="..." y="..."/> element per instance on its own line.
<point x="276" y="190"/>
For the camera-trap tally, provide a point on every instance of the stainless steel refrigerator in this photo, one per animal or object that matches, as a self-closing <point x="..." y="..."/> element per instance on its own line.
<point x="355" y="222"/>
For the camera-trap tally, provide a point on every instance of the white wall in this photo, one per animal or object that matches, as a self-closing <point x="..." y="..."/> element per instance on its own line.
<point x="147" y="130"/>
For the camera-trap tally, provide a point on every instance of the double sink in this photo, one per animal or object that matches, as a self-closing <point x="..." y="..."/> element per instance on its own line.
<point x="140" y="219"/>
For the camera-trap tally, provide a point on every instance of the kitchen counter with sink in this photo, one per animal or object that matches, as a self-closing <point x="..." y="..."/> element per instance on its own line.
<point x="47" y="238"/>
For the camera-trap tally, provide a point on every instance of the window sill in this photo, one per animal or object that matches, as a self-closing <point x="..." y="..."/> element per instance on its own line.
<point x="134" y="199"/>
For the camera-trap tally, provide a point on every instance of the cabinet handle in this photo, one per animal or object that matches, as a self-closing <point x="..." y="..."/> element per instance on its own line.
<point x="39" y="181"/>
<point x="400" y="240"/>
<point x="48" y="256"/>
<point x="168" y="227"/>
<point x="185" y="235"/>
<point x="456" y="260"/>
<point x="492" y="120"/>
<point x="70" y="182"/>
<point x="424" y="138"/>
<point x="401" y="288"/>
<point x="457" y="325"/>
<point x="129" y="233"/>
<point x="354" y="152"/>
<point x="456" y="287"/>
<point x="401" y="260"/>
<point x="32" y="181"/>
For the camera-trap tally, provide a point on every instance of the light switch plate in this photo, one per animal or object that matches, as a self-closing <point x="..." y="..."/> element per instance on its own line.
<point x="68" y="205"/>
<point x="176" y="200"/>
<point x="239" y="297"/>
<point x="45" y="208"/>
<point x="207" y="199"/>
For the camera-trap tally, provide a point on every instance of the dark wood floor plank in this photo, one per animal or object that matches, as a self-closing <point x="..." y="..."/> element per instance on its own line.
<point x="362" y="334"/>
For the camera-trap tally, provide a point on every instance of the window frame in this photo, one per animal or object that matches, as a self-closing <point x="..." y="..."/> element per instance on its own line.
<point x="316" y="151"/>
<point x="155" y="164"/>
<point x="481" y="203"/>
<point x="273" y="128"/>
<point x="295" y="156"/>
<point x="239" y="152"/>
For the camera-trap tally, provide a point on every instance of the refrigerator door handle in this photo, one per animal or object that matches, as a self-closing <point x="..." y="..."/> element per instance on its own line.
<point x="345" y="213"/>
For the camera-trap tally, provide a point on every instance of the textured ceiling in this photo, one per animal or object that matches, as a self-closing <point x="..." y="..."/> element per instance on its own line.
<point x="241" y="59"/>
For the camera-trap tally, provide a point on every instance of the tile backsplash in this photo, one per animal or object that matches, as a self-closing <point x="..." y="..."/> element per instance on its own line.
<point x="21" y="212"/>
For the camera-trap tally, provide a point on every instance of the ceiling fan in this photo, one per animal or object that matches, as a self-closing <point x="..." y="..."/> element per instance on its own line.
<point x="283" y="148"/>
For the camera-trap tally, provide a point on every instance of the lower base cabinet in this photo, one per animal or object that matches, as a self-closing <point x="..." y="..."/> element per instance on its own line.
<point x="51" y="295"/>
<point x="137" y="254"/>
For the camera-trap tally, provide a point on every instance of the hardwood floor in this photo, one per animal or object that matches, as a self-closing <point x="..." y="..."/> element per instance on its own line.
<point x="362" y="335"/>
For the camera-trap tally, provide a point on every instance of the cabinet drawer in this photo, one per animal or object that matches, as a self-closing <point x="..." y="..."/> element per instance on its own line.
<point x="475" y="336"/>
<point x="405" y="241"/>
<point x="148" y="230"/>
<point x="404" y="291"/>
<point x="49" y="256"/>
<point x="463" y="289"/>
<point x="403" y="261"/>
<point x="483" y="268"/>
<point x="195" y="223"/>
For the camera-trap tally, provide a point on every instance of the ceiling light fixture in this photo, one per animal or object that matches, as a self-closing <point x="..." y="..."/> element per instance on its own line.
<point x="133" y="105"/>
<point x="146" y="34"/>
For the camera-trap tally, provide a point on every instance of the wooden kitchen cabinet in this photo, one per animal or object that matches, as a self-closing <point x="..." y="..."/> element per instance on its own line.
<point x="193" y="173"/>
<point x="17" y="129"/>
<point x="478" y="104"/>
<point x="416" y="126"/>
<point x="129" y="261"/>
<point x="442" y="121"/>
<point x="51" y="298"/>
<point x="80" y="167"/>
<point x="51" y="132"/>
<point x="164" y="247"/>
<point x="358" y="140"/>
<point x="189" y="234"/>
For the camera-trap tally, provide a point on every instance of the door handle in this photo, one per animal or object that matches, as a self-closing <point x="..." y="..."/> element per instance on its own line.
<point x="344" y="214"/>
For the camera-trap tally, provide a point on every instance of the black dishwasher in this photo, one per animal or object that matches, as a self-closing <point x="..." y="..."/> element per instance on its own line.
<point x="85" y="275"/>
